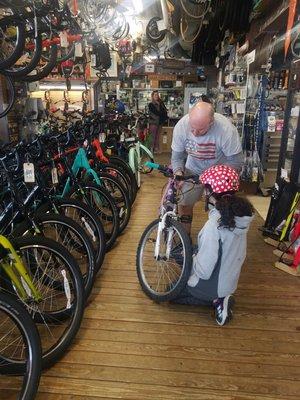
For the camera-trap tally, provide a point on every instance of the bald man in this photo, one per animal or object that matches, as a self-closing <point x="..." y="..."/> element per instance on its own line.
<point x="201" y="139"/>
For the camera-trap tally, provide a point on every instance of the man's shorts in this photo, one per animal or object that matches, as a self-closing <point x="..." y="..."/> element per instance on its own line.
<point x="190" y="193"/>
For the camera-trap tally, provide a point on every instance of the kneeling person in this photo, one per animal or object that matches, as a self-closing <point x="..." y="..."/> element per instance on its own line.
<point x="222" y="244"/>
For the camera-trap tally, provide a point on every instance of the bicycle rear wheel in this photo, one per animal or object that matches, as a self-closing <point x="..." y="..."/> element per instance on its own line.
<point x="57" y="277"/>
<point x="164" y="278"/>
<point x="19" y="344"/>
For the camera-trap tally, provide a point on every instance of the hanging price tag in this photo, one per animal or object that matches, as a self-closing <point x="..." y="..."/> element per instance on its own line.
<point x="64" y="39"/>
<point x="93" y="60"/>
<point x="108" y="151"/>
<point x="102" y="137"/>
<point x="78" y="50"/>
<point x="122" y="138"/>
<point x="54" y="176"/>
<point x="28" y="173"/>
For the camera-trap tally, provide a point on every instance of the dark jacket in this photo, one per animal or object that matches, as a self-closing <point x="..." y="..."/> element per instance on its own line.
<point x="157" y="113"/>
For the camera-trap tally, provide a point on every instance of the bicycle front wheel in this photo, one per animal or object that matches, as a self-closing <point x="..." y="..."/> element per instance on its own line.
<point x="56" y="275"/>
<point x="163" y="277"/>
<point x="72" y="236"/>
<point x="19" y="344"/>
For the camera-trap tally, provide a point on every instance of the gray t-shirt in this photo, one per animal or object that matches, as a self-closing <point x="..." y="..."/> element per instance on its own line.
<point x="221" y="141"/>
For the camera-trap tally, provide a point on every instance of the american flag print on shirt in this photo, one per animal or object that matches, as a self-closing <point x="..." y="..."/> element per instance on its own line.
<point x="202" y="151"/>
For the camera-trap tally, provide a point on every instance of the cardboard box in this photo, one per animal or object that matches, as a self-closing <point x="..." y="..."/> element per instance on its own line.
<point x="165" y="139"/>
<point x="154" y="84"/>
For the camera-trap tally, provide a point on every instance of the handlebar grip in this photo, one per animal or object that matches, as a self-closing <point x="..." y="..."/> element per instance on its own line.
<point x="150" y="164"/>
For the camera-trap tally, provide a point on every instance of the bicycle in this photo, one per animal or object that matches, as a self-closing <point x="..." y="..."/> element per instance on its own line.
<point x="138" y="154"/>
<point x="164" y="254"/>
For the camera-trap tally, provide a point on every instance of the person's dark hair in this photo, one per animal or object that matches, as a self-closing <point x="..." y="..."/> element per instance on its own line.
<point x="231" y="206"/>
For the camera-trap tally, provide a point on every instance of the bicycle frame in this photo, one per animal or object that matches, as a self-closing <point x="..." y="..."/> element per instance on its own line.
<point x="80" y="162"/>
<point x="135" y="154"/>
<point x="18" y="273"/>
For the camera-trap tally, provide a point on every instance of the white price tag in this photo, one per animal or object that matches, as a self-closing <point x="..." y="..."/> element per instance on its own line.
<point x="161" y="25"/>
<point x="284" y="173"/>
<point x="102" y="137"/>
<point x="165" y="139"/>
<point x="122" y="138"/>
<point x="78" y="50"/>
<point x="64" y="39"/>
<point x="54" y="175"/>
<point x="28" y="173"/>
<point x="93" y="60"/>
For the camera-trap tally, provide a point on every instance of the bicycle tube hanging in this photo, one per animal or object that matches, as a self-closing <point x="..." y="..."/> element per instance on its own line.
<point x="260" y="127"/>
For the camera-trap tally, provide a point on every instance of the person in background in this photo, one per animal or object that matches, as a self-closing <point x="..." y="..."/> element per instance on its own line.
<point x="157" y="116"/>
<point x="222" y="245"/>
<point x="202" y="139"/>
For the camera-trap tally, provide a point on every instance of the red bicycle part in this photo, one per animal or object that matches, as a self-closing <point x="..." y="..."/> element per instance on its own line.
<point x="49" y="42"/>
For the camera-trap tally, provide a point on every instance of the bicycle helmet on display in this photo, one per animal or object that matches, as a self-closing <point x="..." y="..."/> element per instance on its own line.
<point x="221" y="178"/>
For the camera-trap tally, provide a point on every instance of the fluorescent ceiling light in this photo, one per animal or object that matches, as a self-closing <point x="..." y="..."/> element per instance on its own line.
<point x="60" y="87"/>
<point x="138" y="5"/>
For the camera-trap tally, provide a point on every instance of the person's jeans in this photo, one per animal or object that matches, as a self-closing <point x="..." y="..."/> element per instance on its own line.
<point x="154" y="131"/>
<point x="185" y="297"/>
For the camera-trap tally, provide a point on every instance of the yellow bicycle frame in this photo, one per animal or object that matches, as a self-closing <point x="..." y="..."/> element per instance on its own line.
<point x="18" y="272"/>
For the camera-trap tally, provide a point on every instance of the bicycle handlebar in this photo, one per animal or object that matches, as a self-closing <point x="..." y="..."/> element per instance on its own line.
<point x="169" y="172"/>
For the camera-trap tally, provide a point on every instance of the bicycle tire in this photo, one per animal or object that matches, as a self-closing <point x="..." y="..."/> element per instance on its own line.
<point x="120" y="195"/>
<point x="96" y="228"/>
<point x="66" y="57"/>
<point x="152" y="32"/>
<point x="174" y="290"/>
<point x="124" y="173"/>
<point x="11" y="95"/>
<point x="111" y="233"/>
<point x="74" y="314"/>
<point x="88" y="220"/>
<point x="118" y="161"/>
<point x="45" y="71"/>
<point x="70" y="235"/>
<point x="19" y="73"/>
<point x="32" y="368"/>
<point x="21" y="29"/>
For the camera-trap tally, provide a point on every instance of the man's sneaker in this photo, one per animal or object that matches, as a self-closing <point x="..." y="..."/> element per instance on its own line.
<point x="223" y="309"/>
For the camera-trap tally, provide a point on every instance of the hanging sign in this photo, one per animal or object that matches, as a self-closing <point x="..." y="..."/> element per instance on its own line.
<point x="250" y="57"/>
<point x="149" y="68"/>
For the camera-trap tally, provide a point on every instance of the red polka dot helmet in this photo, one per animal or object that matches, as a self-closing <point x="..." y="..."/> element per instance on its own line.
<point x="221" y="178"/>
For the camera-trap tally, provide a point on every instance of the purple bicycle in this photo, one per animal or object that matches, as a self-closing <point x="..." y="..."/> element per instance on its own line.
<point x="164" y="255"/>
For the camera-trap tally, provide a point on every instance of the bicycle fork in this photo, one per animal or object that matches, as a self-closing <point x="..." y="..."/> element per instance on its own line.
<point x="161" y="226"/>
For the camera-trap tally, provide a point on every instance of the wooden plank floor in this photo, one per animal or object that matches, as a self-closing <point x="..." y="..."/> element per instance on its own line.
<point x="131" y="348"/>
